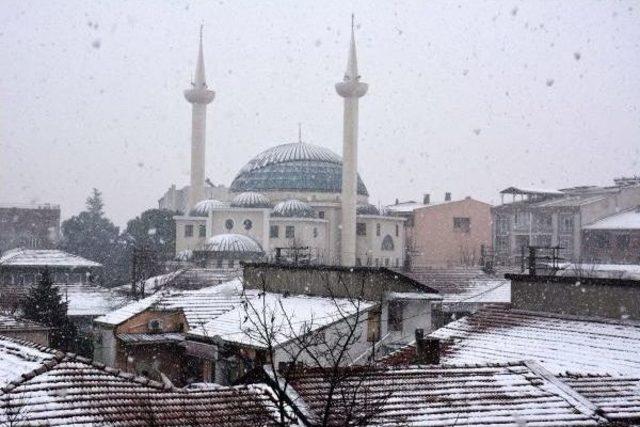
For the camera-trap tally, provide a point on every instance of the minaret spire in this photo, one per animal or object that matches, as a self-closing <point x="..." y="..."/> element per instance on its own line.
<point x="199" y="96"/>
<point x="351" y="89"/>
<point x="300" y="133"/>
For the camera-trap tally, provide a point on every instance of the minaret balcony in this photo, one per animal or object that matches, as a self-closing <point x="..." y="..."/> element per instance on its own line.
<point x="351" y="89"/>
<point x="199" y="96"/>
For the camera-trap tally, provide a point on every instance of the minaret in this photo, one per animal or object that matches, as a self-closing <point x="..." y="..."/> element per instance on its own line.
<point x="351" y="89"/>
<point x="199" y="96"/>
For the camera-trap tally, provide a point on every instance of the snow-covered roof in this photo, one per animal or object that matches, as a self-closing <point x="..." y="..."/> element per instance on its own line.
<point x="292" y="316"/>
<point x="629" y="220"/>
<point x="481" y="395"/>
<point x="233" y="243"/>
<point x="44" y="258"/>
<point x="561" y="343"/>
<point x="293" y="208"/>
<point x="251" y="199"/>
<point x="603" y="271"/>
<point x="89" y="300"/>
<point x="10" y="323"/>
<point x="404" y="207"/>
<point x="532" y="191"/>
<point x="72" y="391"/>
<point x="18" y="357"/>
<point x="198" y="306"/>
<point x="203" y="207"/>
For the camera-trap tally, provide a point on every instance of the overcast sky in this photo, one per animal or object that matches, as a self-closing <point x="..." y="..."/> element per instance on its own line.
<point x="465" y="96"/>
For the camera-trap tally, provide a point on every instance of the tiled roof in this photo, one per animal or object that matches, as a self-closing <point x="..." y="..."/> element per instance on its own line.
<point x="617" y="397"/>
<point x="490" y="394"/>
<point x="72" y="391"/>
<point x="10" y="323"/>
<point x="198" y="306"/>
<point x="44" y="258"/>
<point x="561" y="343"/>
<point x="18" y="357"/>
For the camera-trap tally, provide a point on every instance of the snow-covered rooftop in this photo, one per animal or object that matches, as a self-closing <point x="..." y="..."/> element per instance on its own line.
<point x="604" y="271"/>
<point x="515" y="394"/>
<point x="629" y="220"/>
<point x="292" y="316"/>
<point x="561" y="343"/>
<point x="198" y="306"/>
<point x="44" y="258"/>
<point x="89" y="300"/>
<point x="10" y="323"/>
<point x="72" y="391"/>
<point x="19" y="357"/>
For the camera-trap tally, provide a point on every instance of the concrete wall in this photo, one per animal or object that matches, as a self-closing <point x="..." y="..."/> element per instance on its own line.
<point x="369" y="247"/>
<point x="193" y="242"/>
<point x="259" y="218"/>
<point x="435" y="242"/>
<point x="619" y="299"/>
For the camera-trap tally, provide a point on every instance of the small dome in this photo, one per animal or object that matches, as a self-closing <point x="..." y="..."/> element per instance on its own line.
<point x="233" y="243"/>
<point x="185" y="255"/>
<point x="251" y="199"/>
<point x="293" y="208"/>
<point x="203" y="207"/>
<point x="367" y="209"/>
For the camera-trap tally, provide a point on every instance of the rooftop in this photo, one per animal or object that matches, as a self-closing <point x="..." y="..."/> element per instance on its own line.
<point x="561" y="343"/>
<point x="44" y="258"/>
<point x="65" y="390"/>
<point x="487" y="394"/>
<point x="628" y="220"/>
<point x="18" y="357"/>
<point x="10" y="323"/>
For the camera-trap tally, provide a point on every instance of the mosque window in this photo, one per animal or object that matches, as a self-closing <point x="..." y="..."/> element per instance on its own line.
<point x="315" y="232"/>
<point x="274" y="231"/>
<point x="188" y="230"/>
<point x="248" y="224"/>
<point x="202" y="231"/>
<point x="321" y="214"/>
<point x="361" y="229"/>
<point x="377" y="229"/>
<point x="232" y="263"/>
<point x="289" y="232"/>
<point x="228" y="224"/>
<point x="397" y="230"/>
<point x="387" y="243"/>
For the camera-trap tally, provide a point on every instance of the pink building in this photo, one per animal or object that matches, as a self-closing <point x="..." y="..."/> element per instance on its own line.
<point x="448" y="234"/>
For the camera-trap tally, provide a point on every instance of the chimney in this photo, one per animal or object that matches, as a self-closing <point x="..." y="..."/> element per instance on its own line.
<point x="427" y="349"/>
<point x="447" y="197"/>
<point x="426" y="199"/>
<point x="397" y="201"/>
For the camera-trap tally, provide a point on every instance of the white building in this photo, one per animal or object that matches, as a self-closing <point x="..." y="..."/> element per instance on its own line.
<point x="291" y="199"/>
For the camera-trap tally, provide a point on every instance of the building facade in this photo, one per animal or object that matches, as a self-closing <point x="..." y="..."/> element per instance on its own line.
<point x="555" y="218"/>
<point x="613" y="240"/>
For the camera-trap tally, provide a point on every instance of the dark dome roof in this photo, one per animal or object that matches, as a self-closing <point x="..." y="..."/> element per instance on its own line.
<point x="293" y="167"/>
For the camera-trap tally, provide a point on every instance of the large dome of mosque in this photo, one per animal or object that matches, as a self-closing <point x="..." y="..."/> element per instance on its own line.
<point x="293" y="167"/>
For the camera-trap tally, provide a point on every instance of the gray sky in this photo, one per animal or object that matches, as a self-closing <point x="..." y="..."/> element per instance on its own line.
<point x="465" y="96"/>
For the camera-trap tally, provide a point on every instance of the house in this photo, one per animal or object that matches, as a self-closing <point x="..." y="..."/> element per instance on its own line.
<point x="148" y="336"/>
<point x="555" y="218"/>
<point x="34" y="226"/>
<point x="40" y="386"/>
<point x="518" y="394"/>
<point x="562" y="344"/>
<point x="24" y="329"/>
<point x="20" y="267"/>
<point x="614" y="239"/>
<point x="609" y="290"/>
<point x="445" y="234"/>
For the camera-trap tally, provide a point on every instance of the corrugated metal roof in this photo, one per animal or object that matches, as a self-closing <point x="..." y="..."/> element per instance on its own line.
<point x="44" y="258"/>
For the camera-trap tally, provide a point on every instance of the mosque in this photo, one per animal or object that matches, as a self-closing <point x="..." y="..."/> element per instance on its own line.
<point x="294" y="202"/>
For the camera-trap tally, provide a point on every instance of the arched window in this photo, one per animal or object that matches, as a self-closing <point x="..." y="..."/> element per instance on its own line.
<point x="387" y="243"/>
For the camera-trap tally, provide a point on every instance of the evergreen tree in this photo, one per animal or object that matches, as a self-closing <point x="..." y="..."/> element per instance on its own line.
<point x="44" y="305"/>
<point x="94" y="203"/>
<point x="155" y="231"/>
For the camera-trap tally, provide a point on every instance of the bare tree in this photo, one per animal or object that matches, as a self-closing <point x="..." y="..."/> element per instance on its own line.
<point x="316" y="344"/>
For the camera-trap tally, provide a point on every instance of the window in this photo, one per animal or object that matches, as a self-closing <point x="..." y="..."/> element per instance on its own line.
<point x="321" y="214"/>
<point x="502" y="244"/>
<point x="521" y="220"/>
<point x="247" y="224"/>
<point x="361" y="229"/>
<point x="622" y="241"/>
<point x="289" y="232"/>
<point x="566" y="224"/>
<point x="377" y="229"/>
<point x="387" y="243"/>
<point x="397" y="230"/>
<point x="188" y="230"/>
<point x="315" y="232"/>
<point x="397" y="262"/>
<point x="386" y="262"/>
<point x="202" y="231"/>
<point x="232" y="263"/>
<point x="358" y="262"/>
<point x="542" y="222"/>
<point x="373" y="325"/>
<point x="502" y="225"/>
<point x="228" y="224"/>
<point x="219" y="263"/>
<point x="395" y="316"/>
<point x="462" y="224"/>
<point x="274" y="231"/>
